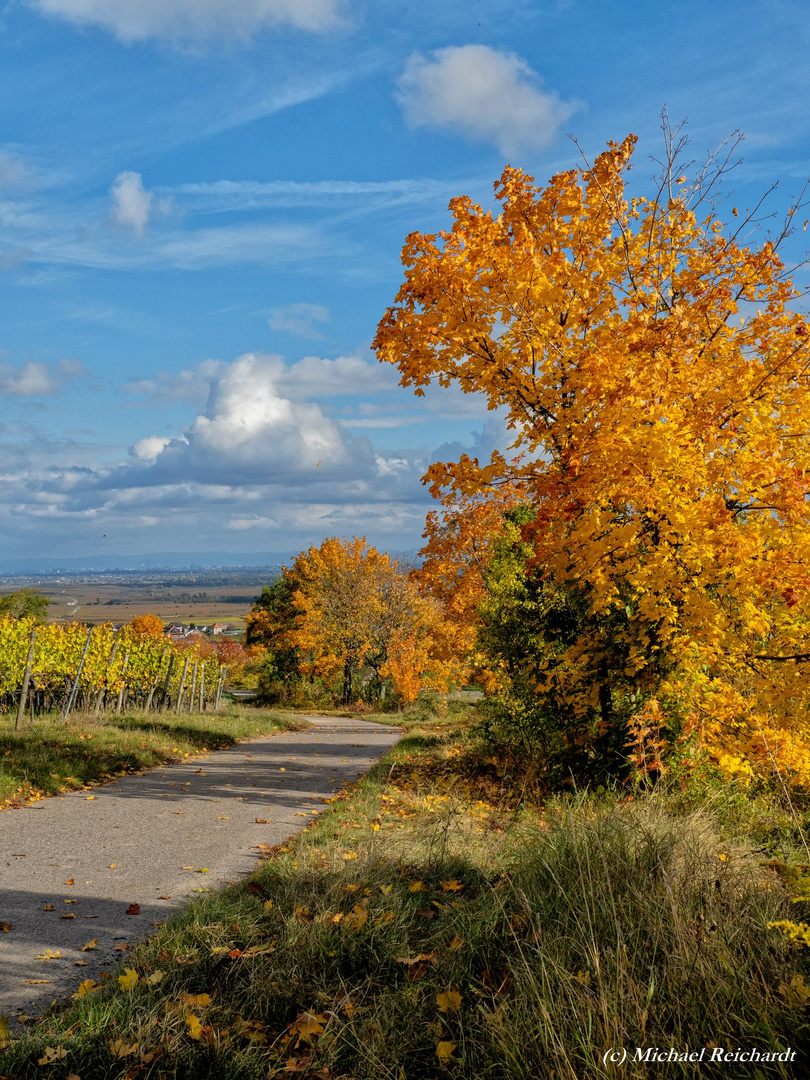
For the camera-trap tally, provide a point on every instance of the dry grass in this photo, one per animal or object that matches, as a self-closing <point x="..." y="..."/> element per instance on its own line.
<point x="434" y="922"/>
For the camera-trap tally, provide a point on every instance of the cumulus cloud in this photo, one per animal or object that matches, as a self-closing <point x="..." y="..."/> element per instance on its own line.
<point x="250" y="432"/>
<point x="310" y="377"/>
<point x="34" y="379"/>
<point x="483" y="94"/>
<point x="299" y="319"/>
<point x="184" y="20"/>
<point x="132" y="203"/>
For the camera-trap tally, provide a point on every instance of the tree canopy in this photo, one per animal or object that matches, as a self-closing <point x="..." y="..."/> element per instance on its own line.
<point x="653" y="369"/>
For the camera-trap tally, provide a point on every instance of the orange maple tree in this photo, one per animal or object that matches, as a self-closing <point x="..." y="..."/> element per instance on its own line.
<point x="655" y="372"/>
<point x="343" y="606"/>
<point x="147" y="624"/>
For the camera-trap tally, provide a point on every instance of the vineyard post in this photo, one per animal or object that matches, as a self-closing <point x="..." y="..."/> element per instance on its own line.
<point x="26" y="679"/>
<point x="72" y="696"/>
<point x="202" y="687"/>
<point x="182" y="686"/>
<point x="103" y="690"/>
<point x="165" y="693"/>
<point x="155" y="682"/>
<point x="193" y="687"/>
<point x="122" y="692"/>
<point x="221" y="685"/>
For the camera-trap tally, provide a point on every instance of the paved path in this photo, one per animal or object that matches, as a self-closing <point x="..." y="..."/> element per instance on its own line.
<point x="143" y="840"/>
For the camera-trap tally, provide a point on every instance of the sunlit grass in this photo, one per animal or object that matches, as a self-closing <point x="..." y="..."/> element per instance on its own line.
<point x="438" y="922"/>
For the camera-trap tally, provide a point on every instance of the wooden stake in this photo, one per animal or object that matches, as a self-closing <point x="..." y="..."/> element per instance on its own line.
<point x="72" y="697"/>
<point x="182" y="685"/>
<point x="26" y="679"/>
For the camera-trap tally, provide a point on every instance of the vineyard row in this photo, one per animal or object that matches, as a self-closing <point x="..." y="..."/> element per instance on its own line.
<point x="66" y="668"/>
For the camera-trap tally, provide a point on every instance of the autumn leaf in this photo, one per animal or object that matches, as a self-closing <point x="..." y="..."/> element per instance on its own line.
<point x="85" y="987"/>
<point x="357" y="918"/>
<point x="154" y="978"/>
<point x="195" y="999"/>
<point x="39" y="982"/>
<point x="194" y="1029"/>
<point x="134" y="909"/>
<point x="70" y="881"/>
<point x="70" y="915"/>
<point x="48" y="907"/>
<point x="5" y="1034"/>
<point x="52" y="1054"/>
<point x="416" y="886"/>
<point x="90" y="945"/>
<point x="452" y="885"/>
<point x="49" y="954"/>
<point x="129" y="980"/>
<point x="444" y="1051"/>
<point x="6" y="927"/>
<point x="449" y="1001"/>
<point x="121" y="1049"/>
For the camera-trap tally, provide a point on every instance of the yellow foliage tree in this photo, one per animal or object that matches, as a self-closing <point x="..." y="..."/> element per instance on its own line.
<point x="355" y="606"/>
<point x="655" y="372"/>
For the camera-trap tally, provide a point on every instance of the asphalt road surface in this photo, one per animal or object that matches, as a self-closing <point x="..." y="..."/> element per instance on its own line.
<point x="72" y="866"/>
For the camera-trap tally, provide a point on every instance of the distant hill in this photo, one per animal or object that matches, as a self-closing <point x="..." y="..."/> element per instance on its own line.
<point x="169" y="560"/>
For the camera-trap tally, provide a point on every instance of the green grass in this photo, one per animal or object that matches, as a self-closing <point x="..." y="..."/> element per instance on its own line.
<point x="50" y="757"/>
<point x="437" y="922"/>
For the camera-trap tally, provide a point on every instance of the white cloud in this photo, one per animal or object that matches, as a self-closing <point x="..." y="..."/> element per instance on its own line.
<point x="132" y="203"/>
<point x="35" y="379"/>
<point x="184" y="20"/>
<point x="298" y="319"/>
<point x="251" y="432"/>
<point x="149" y="448"/>
<point x="483" y="94"/>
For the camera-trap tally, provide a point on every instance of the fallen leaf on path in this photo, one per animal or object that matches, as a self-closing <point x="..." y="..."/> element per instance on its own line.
<point x="164" y="898"/>
<point x="70" y="915"/>
<point x="80" y="963"/>
<point x="123" y="947"/>
<point x="6" y="927"/>
<point x="89" y="916"/>
<point x="49" y="954"/>
<point x="48" y="907"/>
<point x="264" y="821"/>
<point x="68" y="901"/>
<point x="179" y="813"/>
<point x="201" y="870"/>
<point x="186" y="867"/>
<point x="89" y="946"/>
<point x="38" y="982"/>
<point x="89" y="798"/>
<point x="134" y="909"/>
<point x="70" y="881"/>
<point x="113" y="866"/>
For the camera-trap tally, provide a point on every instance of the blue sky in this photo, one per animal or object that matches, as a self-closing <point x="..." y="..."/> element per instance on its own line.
<point x="202" y="206"/>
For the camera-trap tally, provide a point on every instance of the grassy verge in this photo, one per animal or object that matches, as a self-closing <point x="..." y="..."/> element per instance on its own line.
<point x="50" y="757"/>
<point x="437" y="922"/>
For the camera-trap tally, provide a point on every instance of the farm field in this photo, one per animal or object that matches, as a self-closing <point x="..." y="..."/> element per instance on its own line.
<point x="120" y="600"/>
